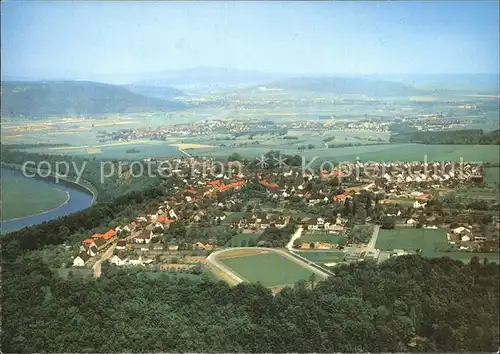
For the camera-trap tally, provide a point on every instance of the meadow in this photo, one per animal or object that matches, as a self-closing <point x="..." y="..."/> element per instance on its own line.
<point x="492" y="176"/>
<point x="270" y="269"/>
<point x="24" y="197"/>
<point x="143" y="148"/>
<point x="241" y="240"/>
<point x="322" y="257"/>
<point x="428" y="240"/>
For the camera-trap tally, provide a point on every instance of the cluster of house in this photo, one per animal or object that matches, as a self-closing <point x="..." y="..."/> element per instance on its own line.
<point x="91" y="246"/>
<point x="196" y="200"/>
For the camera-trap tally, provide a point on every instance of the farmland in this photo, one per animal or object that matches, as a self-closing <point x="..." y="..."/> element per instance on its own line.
<point x="381" y="152"/>
<point x="428" y="240"/>
<point x="269" y="268"/>
<point x="41" y="196"/>
<point x="492" y="176"/>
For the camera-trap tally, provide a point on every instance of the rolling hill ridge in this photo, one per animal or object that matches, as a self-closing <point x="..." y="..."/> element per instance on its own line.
<point x="53" y="98"/>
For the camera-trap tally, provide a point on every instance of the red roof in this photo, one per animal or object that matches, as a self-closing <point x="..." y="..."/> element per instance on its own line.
<point x="214" y="183"/>
<point x="88" y="241"/>
<point x="161" y="218"/>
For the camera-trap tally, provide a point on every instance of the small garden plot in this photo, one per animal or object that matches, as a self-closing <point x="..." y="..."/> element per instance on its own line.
<point x="322" y="236"/>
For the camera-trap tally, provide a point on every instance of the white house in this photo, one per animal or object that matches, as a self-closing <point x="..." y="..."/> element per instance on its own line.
<point x="417" y="205"/>
<point x="465" y="238"/>
<point x="136" y="261"/>
<point x="411" y="221"/>
<point x="117" y="260"/>
<point x="80" y="260"/>
<point x="460" y="230"/>
<point x="172" y="214"/>
<point x="121" y="244"/>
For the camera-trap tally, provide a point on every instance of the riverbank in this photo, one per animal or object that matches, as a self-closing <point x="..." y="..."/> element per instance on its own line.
<point x="71" y="181"/>
<point x="77" y="197"/>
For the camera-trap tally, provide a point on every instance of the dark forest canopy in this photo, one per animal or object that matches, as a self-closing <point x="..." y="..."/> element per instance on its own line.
<point x="53" y="98"/>
<point x="459" y="137"/>
<point x="405" y="304"/>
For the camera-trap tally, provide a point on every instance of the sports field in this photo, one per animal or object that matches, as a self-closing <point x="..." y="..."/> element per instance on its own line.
<point x="269" y="268"/>
<point x="24" y="197"/>
<point x="322" y="236"/>
<point x="412" y="238"/>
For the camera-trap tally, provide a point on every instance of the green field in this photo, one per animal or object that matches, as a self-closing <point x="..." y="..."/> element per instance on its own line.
<point x="270" y="269"/>
<point x="236" y="240"/>
<point x="428" y="240"/>
<point x="322" y="236"/>
<point x="384" y="152"/>
<point x="114" y="150"/>
<point x="478" y="194"/>
<point x="492" y="176"/>
<point x="24" y="197"/>
<point x="322" y="257"/>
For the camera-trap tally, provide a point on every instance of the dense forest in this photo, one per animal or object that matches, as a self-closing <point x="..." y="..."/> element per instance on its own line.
<point x="459" y="137"/>
<point x="52" y="98"/>
<point x="405" y="304"/>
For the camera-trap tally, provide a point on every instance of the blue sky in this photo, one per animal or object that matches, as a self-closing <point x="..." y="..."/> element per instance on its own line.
<point x="85" y="40"/>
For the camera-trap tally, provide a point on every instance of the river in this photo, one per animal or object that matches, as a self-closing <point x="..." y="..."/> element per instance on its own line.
<point x="79" y="199"/>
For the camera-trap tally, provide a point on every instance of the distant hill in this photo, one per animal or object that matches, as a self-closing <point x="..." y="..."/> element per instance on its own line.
<point x="162" y="92"/>
<point x="345" y="85"/>
<point x="49" y="98"/>
<point x="487" y="83"/>
<point x="208" y="77"/>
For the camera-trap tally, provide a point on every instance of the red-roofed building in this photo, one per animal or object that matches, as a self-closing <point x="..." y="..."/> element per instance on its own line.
<point x="161" y="218"/>
<point x="341" y="197"/>
<point x="214" y="183"/>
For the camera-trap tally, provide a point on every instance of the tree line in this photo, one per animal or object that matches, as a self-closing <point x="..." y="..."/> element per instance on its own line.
<point x="451" y="137"/>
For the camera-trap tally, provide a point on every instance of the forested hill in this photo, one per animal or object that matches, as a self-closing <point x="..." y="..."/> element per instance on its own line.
<point x="53" y="98"/>
<point x="459" y="137"/>
<point x="346" y="85"/>
<point x="406" y="304"/>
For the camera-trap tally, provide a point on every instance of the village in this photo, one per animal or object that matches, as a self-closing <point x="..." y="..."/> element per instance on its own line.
<point x="335" y="211"/>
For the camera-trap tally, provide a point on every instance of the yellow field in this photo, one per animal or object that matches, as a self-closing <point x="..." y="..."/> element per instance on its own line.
<point x="192" y="146"/>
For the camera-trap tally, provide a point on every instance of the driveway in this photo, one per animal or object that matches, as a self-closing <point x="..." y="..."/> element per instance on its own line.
<point x="106" y="255"/>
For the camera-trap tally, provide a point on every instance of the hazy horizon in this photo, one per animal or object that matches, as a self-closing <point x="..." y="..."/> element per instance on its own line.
<point x="91" y="41"/>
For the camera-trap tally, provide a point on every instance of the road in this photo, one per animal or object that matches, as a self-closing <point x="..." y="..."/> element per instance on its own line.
<point x="296" y="235"/>
<point x="373" y="240"/>
<point x="105" y="256"/>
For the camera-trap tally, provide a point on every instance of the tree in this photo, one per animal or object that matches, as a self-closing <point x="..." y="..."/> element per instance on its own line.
<point x="387" y="222"/>
<point x="235" y="157"/>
